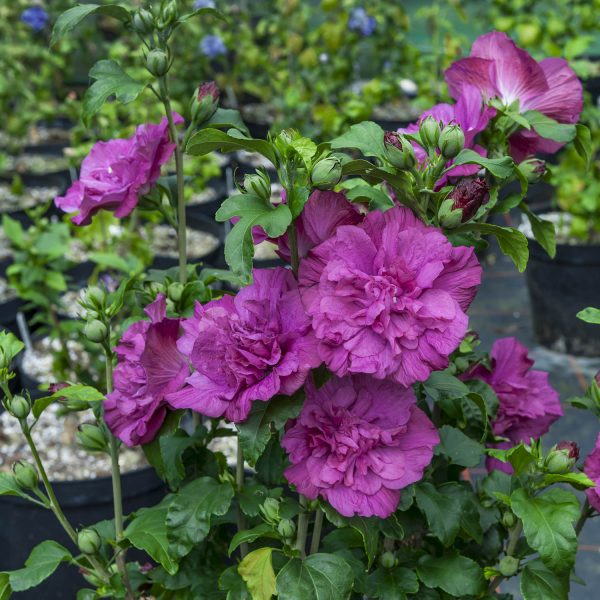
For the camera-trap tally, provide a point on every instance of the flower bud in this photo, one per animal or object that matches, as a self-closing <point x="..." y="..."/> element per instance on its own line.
<point x="205" y="102"/>
<point x="448" y="216"/>
<point x="508" y="520"/>
<point x="387" y="560"/>
<point x="270" y="509"/>
<point x="259" y="184"/>
<point x="25" y="475"/>
<point x="468" y="196"/>
<point x="95" y="296"/>
<point x="399" y="151"/>
<point x="533" y="169"/>
<point x="429" y="132"/>
<point x="169" y="13"/>
<point x="143" y="21"/>
<point x="95" y="331"/>
<point x="92" y="438"/>
<point x="286" y="528"/>
<point x="88" y="541"/>
<point x="175" y="291"/>
<point x="326" y="173"/>
<point x="452" y="141"/>
<point x="157" y="62"/>
<point x="562" y="457"/>
<point x="509" y="566"/>
<point x="18" y="407"/>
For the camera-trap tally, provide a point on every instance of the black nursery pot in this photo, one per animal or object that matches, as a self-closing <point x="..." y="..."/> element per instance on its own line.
<point x="85" y="502"/>
<point x="8" y="314"/>
<point x="209" y="209"/>
<point x="559" y="288"/>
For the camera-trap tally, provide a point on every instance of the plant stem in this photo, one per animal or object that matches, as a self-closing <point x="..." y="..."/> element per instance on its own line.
<point x="293" y="241"/>
<point x="513" y="540"/>
<point x="239" y="480"/>
<point x="586" y="511"/>
<point x="316" y="536"/>
<point x="181" y="217"/>
<point x="302" y="527"/>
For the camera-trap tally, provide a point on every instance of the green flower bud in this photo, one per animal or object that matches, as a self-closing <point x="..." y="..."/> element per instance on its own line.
<point x="88" y="541"/>
<point x="533" y="169"/>
<point x="429" y="132"/>
<point x="96" y="296"/>
<point x="387" y="560"/>
<point x="448" y="216"/>
<point x="169" y="13"/>
<point x="175" y="291"/>
<point x="452" y="141"/>
<point x="509" y="566"/>
<point x="143" y="21"/>
<point x="508" y="520"/>
<point x="92" y="438"/>
<point x="562" y="457"/>
<point x="157" y="62"/>
<point x="95" y="331"/>
<point x="286" y="528"/>
<point x="18" y="407"/>
<point x="25" y="475"/>
<point x="259" y="184"/>
<point x="327" y="173"/>
<point x="399" y="151"/>
<point x="270" y="509"/>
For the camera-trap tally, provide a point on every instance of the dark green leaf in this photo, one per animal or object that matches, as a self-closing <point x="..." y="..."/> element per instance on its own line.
<point x="83" y="393"/>
<point x="377" y="198"/>
<point x="5" y="590"/>
<point x="231" y="582"/>
<point x="392" y="584"/>
<point x="578" y="480"/>
<point x="366" y="137"/>
<point x="543" y="231"/>
<point x="583" y="143"/>
<point x="502" y="168"/>
<point x="441" y="511"/>
<point x="460" y="448"/>
<point x="251" y="535"/>
<point x="209" y="140"/>
<point x="520" y="457"/>
<point x="549" y="128"/>
<point x="457" y="575"/>
<point x="227" y="117"/>
<point x="42" y="562"/>
<point x="538" y="582"/>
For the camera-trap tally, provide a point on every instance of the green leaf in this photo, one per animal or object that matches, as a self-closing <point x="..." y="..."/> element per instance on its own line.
<point x="257" y="571"/>
<point x="549" y="128"/>
<point x="253" y="211"/>
<point x="538" y="582"/>
<point x="10" y="346"/>
<point x="42" y="562"/>
<point x="188" y="517"/>
<point x="9" y="486"/>
<point x="251" y="535"/>
<point x="148" y="532"/>
<point x="255" y="431"/>
<point x="231" y="582"/>
<point x="212" y="12"/>
<point x="72" y="17"/>
<point x="318" y="577"/>
<point x="583" y="143"/>
<point x="543" y="231"/>
<point x="460" y="448"/>
<point x="366" y="137"/>
<point x="13" y="231"/>
<point x="502" y="168"/>
<point x="520" y="456"/>
<point x="377" y="198"/>
<point x="227" y="117"/>
<point x="305" y="148"/>
<point x="590" y="315"/>
<point x="548" y="525"/>
<point x="578" y="480"/>
<point x="110" y="80"/>
<point x="83" y="393"/>
<point x="392" y="584"/>
<point x="208" y="140"/>
<point x="443" y="384"/>
<point x="457" y="575"/>
<point x="5" y="589"/>
<point x="441" y="511"/>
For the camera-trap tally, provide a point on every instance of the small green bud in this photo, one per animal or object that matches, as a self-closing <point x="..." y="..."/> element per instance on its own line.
<point x="175" y="291"/>
<point x="143" y="21"/>
<point x="429" y="132"/>
<point x="286" y="528"/>
<point x="448" y="216"/>
<point x="259" y="184"/>
<point x="18" y="407"/>
<point x="508" y="520"/>
<point x="270" y="509"/>
<point x="399" y="151"/>
<point x="25" y="475"/>
<point x="88" y="541"/>
<point x="95" y="331"/>
<point x="96" y="296"/>
<point x="562" y="457"/>
<point x="92" y="438"/>
<point x="327" y="173"/>
<point x="387" y="560"/>
<point x="509" y="566"/>
<point x="157" y="62"/>
<point x="452" y="141"/>
<point x="533" y="169"/>
<point x="169" y="13"/>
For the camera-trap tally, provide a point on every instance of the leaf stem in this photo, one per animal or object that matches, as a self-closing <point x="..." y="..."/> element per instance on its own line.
<point x="302" y="526"/>
<point x="316" y="536"/>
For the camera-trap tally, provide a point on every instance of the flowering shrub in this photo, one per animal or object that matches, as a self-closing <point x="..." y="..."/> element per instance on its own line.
<point x="356" y="392"/>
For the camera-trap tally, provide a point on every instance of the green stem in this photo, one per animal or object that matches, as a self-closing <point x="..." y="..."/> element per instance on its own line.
<point x="302" y="526"/>
<point x="239" y="480"/>
<point x="181" y="217"/>
<point x="316" y="536"/>
<point x="586" y="512"/>
<point x="513" y="540"/>
<point x="293" y="241"/>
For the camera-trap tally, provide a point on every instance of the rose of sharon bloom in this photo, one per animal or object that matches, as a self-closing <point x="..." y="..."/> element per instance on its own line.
<point x="500" y="69"/>
<point x="592" y="469"/>
<point x="528" y="403"/>
<point x="248" y="347"/>
<point x="388" y="297"/>
<point x="149" y="367"/>
<point x="358" y="442"/>
<point x="116" y="173"/>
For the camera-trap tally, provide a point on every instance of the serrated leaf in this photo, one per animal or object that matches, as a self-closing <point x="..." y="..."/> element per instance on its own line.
<point x="502" y="168"/>
<point x="227" y="117"/>
<point x="5" y="589"/>
<point x="460" y="448"/>
<point x="441" y="511"/>
<point x="590" y="315"/>
<point x="251" y="535"/>
<point x="540" y="583"/>
<point x="392" y="584"/>
<point x="583" y="143"/>
<point x="209" y="140"/>
<point x="231" y="582"/>
<point x="256" y="569"/>
<point x="578" y="480"/>
<point x="84" y="393"/>
<point x="519" y="457"/>
<point x="366" y="137"/>
<point x="42" y="562"/>
<point x="305" y="148"/>
<point x="377" y="198"/>
<point x="10" y="346"/>
<point x="457" y="575"/>
<point x="549" y="128"/>
<point x="543" y="231"/>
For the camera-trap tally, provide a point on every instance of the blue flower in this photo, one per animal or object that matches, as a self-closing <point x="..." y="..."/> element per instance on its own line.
<point x="361" y="21"/>
<point x="212" y="46"/>
<point x="36" y="17"/>
<point x="204" y="4"/>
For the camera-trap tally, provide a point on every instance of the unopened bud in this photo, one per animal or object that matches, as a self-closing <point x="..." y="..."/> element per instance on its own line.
<point x="399" y="151"/>
<point x="96" y="296"/>
<point x="92" y="438"/>
<point x="387" y="560"/>
<point x="270" y="509"/>
<point x="25" y="475"/>
<point x="175" y="291"/>
<point x="509" y="566"/>
<point x="468" y="196"/>
<point x="169" y="13"/>
<point x="88" y="541"/>
<point x="286" y="528"/>
<point x="205" y="102"/>
<point x="327" y="173"/>
<point x="562" y="457"/>
<point x="143" y="21"/>
<point x="533" y="169"/>
<point x="508" y="520"/>
<point x="157" y="62"/>
<point x="452" y="141"/>
<point x="258" y="184"/>
<point x="18" y="407"/>
<point x="429" y="132"/>
<point x="95" y="331"/>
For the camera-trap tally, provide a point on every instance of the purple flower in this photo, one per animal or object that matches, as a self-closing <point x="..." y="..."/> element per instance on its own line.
<point x="212" y="46"/>
<point x="388" y="297"/>
<point x="149" y="367"/>
<point x="528" y="403"/>
<point x="591" y="468"/>
<point x="360" y="21"/>
<point x="251" y="347"/>
<point x="116" y="173"/>
<point x="500" y="69"/>
<point x="36" y="17"/>
<point x="198" y="4"/>
<point x="357" y="443"/>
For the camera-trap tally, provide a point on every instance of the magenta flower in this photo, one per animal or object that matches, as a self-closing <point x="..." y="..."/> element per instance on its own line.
<point x="388" y="297"/>
<point x="528" y="403"/>
<point x="116" y="173"/>
<point x="357" y="443"/>
<point x="149" y="367"/>
<point x="251" y="347"/>
<point x="591" y="468"/>
<point x="500" y="69"/>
